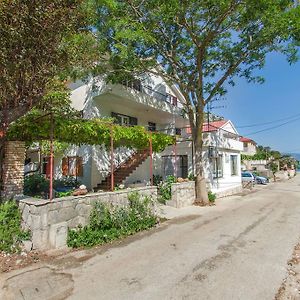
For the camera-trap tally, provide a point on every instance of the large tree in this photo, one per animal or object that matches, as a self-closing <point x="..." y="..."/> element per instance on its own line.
<point x="40" y="39"/>
<point x="201" y="46"/>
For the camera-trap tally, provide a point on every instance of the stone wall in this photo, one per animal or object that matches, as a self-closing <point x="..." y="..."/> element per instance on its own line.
<point x="183" y="194"/>
<point x="13" y="169"/>
<point x="49" y="220"/>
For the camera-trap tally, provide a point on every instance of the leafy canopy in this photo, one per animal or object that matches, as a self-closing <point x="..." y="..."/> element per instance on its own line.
<point x="36" y="126"/>
<point x="198" y="45"/>
<point x="40" y="40"/>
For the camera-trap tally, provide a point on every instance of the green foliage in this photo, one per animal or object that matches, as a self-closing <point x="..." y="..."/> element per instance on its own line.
<point x="68" y="181"/>
<point x="262" y="153"/>
<point x="157" y="179"/>
<point x="109" y="223"/>
<point x="191" y="177"/>
<point x="211" y="196"/>
<point x="11" y="233"/>
<point x="36" y="185"/>
<point x="199" y="46"/>
<point x="44" y="39"/>
<point x="79" y="131"/>
<point x="63" y="194"/>
<point x="164" y="189"/>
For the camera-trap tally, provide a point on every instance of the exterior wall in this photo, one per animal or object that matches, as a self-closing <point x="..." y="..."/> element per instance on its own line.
<point x="13" y="169"/>
<point x="183" y="194"/>
<point x="49" y="220"/>
<point x="258" y="165"/>
<point x="250" y="149"/>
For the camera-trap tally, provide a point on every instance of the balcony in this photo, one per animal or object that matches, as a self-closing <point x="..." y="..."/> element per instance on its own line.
<point x="138" y="86"/>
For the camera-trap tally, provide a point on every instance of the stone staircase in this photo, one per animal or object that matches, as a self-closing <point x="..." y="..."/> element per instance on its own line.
<point x="124" y="170"/>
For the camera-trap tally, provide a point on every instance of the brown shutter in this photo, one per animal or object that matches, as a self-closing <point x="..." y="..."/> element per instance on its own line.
<point x="65" y="166"/>
<point x="79" y="166"/>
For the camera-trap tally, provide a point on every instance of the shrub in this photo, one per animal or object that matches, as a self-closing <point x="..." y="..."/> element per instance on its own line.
<point x="68" y="181"/>
<point x="11" y="233"/>
<point x="63" y="194"/>
<point x="36" y="185"/>
<point x="164" y="189"/>
<point x="211" y="197"/>
<point x="108" y="223"/>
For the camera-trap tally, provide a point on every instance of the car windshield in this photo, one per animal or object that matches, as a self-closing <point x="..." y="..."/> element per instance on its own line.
<point x="246" y="175"/>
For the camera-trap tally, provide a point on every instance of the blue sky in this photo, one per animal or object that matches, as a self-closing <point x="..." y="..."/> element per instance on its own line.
<point x="278" y="98"/>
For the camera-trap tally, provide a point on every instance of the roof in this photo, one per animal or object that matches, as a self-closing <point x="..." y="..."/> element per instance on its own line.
<point x="246" y="140"/>
<point x="213" y="126"/>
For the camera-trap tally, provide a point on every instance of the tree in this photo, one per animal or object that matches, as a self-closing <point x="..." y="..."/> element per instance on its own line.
<point x="40" y="39"/>
<point x="201" y="46"/>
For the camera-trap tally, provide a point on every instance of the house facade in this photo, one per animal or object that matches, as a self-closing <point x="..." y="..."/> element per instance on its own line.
<point x="249" y="146"/>
<point x="151" y="103"/>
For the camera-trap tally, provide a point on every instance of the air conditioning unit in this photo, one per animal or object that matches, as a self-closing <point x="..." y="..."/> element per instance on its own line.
<point x="212" y="152"/>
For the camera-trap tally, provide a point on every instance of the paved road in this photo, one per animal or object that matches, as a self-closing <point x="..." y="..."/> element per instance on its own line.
<point x="236" y="250"/>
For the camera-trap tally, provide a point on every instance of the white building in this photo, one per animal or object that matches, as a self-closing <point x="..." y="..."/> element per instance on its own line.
<point x="148" y="102"/>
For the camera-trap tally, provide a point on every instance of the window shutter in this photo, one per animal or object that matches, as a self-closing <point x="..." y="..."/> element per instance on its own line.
<point x="79" y="166"/>
<point x="133" y="121"/>
<point x="65" y="166"/>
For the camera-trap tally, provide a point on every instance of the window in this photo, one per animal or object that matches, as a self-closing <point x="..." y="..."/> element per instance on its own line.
<point x="72" y="166"/>
<point x="233" y="163"/>
<point x="217" y="166"/>
<point x="124" y="120"/>
<point x="181" y="165"/>
<point x="151" y="126"/>
<point x="178" y="131"/>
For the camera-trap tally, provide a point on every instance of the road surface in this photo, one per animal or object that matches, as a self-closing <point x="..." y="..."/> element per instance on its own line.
<point x="236" y="250"/>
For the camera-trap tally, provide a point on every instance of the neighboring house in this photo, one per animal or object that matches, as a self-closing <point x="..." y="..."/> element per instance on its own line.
<point x="249" y="149"/>
<point x="151" y="103"/>
<point x="249" y="146"/>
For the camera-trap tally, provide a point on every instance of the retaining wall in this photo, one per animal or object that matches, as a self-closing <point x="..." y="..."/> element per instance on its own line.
<point x="49" y="220"/>
<point x="183" y="194"/>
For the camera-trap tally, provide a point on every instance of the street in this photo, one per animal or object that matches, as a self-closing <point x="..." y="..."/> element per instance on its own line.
<point x="238" y="249"/>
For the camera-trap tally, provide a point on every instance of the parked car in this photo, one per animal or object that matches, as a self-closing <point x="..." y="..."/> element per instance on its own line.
<point x="248" y="177"/>
<point x="261" y="179"/>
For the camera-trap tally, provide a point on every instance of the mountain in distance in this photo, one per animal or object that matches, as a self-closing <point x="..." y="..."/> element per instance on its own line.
<point x="295" y="155"/>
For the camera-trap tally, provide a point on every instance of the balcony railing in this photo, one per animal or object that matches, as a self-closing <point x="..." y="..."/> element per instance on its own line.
<point x="138" y="86"/>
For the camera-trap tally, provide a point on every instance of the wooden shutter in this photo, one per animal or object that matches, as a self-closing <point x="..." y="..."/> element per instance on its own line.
<point x="65" y="166"/>
<point x="79" y="166"/>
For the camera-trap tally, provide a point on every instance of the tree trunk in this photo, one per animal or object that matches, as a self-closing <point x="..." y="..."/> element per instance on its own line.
<point x="200" y="182"/>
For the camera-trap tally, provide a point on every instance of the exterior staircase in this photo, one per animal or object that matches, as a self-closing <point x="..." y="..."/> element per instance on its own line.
<point x="122" y="171"/>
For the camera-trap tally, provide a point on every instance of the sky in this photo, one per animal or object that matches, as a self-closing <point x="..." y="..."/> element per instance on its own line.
<point x="276" y="99"/>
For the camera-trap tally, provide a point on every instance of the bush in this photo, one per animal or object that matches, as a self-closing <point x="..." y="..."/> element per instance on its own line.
<point x="36" y="185"/>
<point x="164" y="189"/>
<point x="11" y="233"/>
<point x="211" y="197"/>
<point x="108" y="223"/>
<point x="69" y="182"/>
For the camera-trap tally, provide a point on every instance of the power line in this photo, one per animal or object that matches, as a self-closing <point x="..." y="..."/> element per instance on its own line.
<point x="270" y="122"/>
<point x="273" y="127"/>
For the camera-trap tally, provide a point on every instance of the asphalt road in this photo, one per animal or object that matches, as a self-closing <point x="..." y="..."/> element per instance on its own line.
<point x="236" y="250"/>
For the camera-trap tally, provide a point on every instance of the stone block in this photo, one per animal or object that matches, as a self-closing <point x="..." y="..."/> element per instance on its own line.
<point x="58" y="235"/>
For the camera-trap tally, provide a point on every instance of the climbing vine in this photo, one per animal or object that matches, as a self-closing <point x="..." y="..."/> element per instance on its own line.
<point x="36" y="126"/>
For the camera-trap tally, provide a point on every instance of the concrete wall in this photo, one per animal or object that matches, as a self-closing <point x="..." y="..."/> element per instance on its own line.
<point x="49" y="220"/>
<point x="183" y="194"/>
